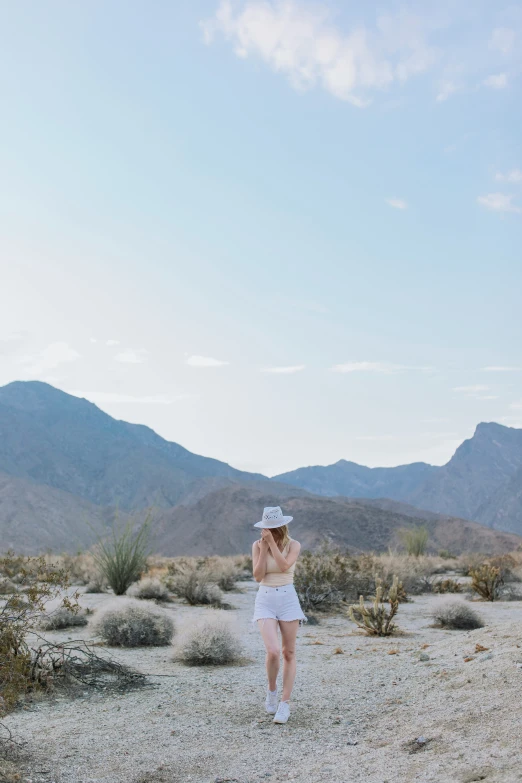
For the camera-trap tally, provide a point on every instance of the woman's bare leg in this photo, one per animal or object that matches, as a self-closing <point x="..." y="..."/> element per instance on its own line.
<point x="288" y="634"/>
<point x="268" y="630"/>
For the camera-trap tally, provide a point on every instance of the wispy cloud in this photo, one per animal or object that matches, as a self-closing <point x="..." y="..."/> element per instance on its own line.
<point x="501" y="368"/>
<point x="478" y="387"/>
<point x="397" y="203"/>
<point x="112" y="342"/>
<point x="446" y="90"/>
<point x="516" y="406"/>
<point x="302" y="42"/>
<point x="499" y="202"/>
<point x="502" y="40"/>
<point x="47" y="359"/>
<point x="117" y="397"/>
<point x="388" y="368"/>
<point x="498" y="81"/>
<point x="288" y="370"/>
<point x="205" y="361"/>
<point x="131" y="357"/>
<point x="513" y="176"/>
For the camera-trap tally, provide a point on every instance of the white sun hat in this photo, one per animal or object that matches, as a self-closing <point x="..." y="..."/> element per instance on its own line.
<point x="273" y="517"/>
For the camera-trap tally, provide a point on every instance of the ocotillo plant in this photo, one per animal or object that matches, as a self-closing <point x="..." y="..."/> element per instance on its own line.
<point x="375" y="618"/>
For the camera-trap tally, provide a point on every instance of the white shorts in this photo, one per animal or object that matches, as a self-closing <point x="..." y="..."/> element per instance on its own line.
<point x="278" y="603"/>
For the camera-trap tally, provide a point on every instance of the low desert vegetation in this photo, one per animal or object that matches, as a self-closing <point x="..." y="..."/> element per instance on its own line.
<point x="121" y="559"/>
<point x="196" y="587"/>
<point x="63" y="617"/>
<point x="446" y="586"/>
<point x="375" y="618"/>
<point x="149" y="589"/>
<point x="457" y="616"/>
<point x="415" y="540"/>
<point x="487" y="581"/>
<point x="212" y="642"/>
<point x="131" y="623"/>
<point x="37" y="583"/>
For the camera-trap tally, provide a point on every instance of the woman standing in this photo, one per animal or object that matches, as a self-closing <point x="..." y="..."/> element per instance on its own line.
<point x="274" y="557"/>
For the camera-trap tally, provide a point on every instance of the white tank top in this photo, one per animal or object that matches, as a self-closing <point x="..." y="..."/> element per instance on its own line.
<point x="274" y="577"/>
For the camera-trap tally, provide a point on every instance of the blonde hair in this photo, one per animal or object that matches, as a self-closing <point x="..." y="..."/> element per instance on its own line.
<point x="281" y="536"/>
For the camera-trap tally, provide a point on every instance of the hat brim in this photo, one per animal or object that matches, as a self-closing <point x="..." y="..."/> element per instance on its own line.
<point x="276" y="523"/>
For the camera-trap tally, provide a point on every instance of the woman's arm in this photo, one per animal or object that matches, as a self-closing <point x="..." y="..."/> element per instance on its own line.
<point x="284" y="563"/>
<point x="259" y="555"/>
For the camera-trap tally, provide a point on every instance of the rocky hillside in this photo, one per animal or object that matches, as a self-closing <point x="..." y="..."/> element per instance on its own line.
<point x="67" y="443"/>
<point x="221" y="522"/>
<point x="479" y="482"/>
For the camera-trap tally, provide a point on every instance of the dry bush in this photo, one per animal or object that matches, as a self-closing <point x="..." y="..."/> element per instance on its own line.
<point x="63" y="618"/>
<point x="457" y="616"/>
<point x="324" y="579"/>
<point x="486" y="581"/>
<point x="20" y="613"/>
<point x="131" y="623"/>
<point x="7" y="586"/>
<point x="447" y="555"/>
<point x="196" y="588"/>
<point x="413" y="572"/>
<point x="96" y="585"/>
<point x="149" y="589"/>
<point x="447" y="586"/>
<point x="210" y="643"/>
<point x="374" y="618"/>
<point x="80" y="567"/>
<point x="469" y="561"/>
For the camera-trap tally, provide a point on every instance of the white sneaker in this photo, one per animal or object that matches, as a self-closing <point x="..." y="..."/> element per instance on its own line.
<point x="271" y="701"/>
<point x="283" y="712"/>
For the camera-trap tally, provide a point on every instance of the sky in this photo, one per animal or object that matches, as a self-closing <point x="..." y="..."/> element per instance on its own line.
<point x="280" y="233"/>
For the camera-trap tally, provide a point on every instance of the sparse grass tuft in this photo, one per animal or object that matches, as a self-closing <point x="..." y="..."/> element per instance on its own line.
<point x="196" y="588"/>
<point x="457" y="616"/>
<point x="130" y="623"/>
<point x="211" y="643"/>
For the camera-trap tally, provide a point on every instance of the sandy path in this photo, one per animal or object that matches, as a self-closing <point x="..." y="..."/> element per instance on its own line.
<point x="205" y="724"/>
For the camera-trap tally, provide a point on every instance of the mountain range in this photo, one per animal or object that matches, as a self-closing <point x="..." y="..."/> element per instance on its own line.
<point x="65" y="466"/>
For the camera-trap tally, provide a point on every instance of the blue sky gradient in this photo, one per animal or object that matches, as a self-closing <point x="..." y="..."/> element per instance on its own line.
<point x="331" y="219"/>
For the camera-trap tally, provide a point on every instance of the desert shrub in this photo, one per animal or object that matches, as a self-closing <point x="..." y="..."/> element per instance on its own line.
<point x="210" y="643"/>
<point x="39" y="582"/>
<point x="446" y="554"/>
<point x="7" y="586"/>
<point x="326" y="579"/>
<point x="122" y="558"/>
<point x="457" y="616"/>
<point x="507" y="565"/>
<point x="131" y="623"/>
<point x="374" y="618"/>
<point x="415" y="540"/>
<point x="149" y="589"/>
<point x="196" y="588"/>
<point x="447" y="586"/>
<point x="486" y="581"/>
<point x="62" y="618"/>
<point x="96" y="585"/>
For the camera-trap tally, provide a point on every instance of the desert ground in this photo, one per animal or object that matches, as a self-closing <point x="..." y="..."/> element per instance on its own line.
<point x="420" y="706"/>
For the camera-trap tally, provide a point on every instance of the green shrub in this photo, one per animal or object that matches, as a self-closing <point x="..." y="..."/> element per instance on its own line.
<point x="210" y="643"/>
<point x="457" y="616"/>
<point x="415" y="540"/>
<point x="122" y="558"/>
<point x="130" y="623"/>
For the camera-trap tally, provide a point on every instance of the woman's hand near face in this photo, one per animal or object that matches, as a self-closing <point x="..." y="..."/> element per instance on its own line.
<point x="267" y="537"/>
